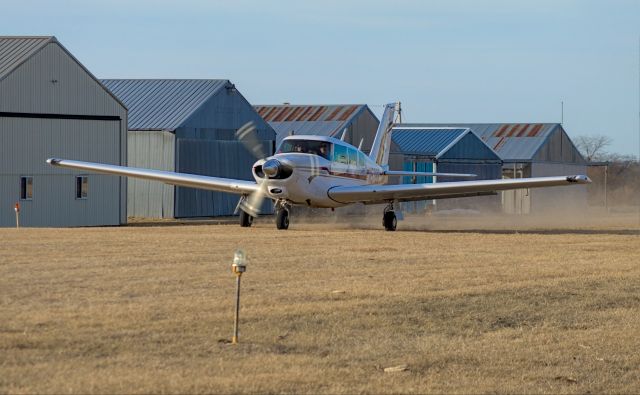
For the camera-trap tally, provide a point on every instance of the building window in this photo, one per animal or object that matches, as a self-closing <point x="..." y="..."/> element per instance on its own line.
<point x="26" y="188"/>
<point x="82" y="187"/>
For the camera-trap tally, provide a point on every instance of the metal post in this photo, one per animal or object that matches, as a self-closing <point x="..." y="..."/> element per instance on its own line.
<point x="17" y="210"/>
<point x="234" y="340"/>
<point x="516" y="194"/>
<point x="606" y="172"/>
<point x="239" y="266"/>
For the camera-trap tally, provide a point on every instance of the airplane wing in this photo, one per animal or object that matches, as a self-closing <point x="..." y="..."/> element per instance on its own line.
<point x="427" y="174"/>
<point x="240" y="187"/>
<point x="407" y="192"/>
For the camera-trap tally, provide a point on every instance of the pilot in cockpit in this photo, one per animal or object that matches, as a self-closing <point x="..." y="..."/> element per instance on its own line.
<point x="324" y="150"/>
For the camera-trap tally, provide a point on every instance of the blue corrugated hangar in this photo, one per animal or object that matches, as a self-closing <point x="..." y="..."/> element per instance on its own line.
<point x="186" y="126"/>
<point x="446" y="150"/>
<point x="52" y="106"/>
<point x="356" y="120"/>
<point x="533" y="150"/>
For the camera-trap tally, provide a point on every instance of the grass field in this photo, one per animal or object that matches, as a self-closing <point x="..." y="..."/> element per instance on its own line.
<point x="148" y="309"/>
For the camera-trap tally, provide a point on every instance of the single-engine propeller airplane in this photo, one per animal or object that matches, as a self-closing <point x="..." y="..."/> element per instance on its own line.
<point x="325" y="172"/>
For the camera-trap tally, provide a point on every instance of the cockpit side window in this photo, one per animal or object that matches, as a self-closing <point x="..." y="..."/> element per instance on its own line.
<point x="353" y="157"/>
<point x="361" y="160"/>
<point x="340" y="154"/>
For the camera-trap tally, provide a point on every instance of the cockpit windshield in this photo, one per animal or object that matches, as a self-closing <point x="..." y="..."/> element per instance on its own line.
<point x="320" y="148"/>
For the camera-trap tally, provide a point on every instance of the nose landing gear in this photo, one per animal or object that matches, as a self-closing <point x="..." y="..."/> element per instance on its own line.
<point x="282" y="215"/>
<point x="389" y="220"/>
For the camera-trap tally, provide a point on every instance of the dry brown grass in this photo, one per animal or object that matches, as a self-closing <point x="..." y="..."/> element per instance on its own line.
<point x="149" y="309"/>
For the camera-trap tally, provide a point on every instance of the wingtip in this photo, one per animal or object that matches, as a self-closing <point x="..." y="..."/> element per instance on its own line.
<point x="580" y="179"/>
<point x="53" y="161"/>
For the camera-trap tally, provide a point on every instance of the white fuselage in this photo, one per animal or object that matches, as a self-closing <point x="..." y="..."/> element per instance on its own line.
<point x="313" y="175"/>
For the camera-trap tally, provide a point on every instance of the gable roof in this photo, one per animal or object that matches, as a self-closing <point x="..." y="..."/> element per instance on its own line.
<point x="425" y="141"/>
<point x="438" y="143"/>
<point x="162" y="104"/>
<point x="16" y="50"/>
<point x="322" y="120"/>
<point x="511" y="141"/>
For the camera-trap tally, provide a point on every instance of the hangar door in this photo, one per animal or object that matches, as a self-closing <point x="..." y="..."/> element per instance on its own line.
<point x="27" y="140"/>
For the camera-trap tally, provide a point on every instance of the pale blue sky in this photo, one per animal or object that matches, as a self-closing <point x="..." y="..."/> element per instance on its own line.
<point x="447" y="61"/>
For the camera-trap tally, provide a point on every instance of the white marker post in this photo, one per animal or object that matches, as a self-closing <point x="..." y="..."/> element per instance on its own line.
<point x="238" y="267"/>
<point x="17" y="210"/>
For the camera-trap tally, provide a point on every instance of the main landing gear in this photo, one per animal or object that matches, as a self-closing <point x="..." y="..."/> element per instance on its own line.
<point x="246" y="220"/>
<point x="389" y="220"/>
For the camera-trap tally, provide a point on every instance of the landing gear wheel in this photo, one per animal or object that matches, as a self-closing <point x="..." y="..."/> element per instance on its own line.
<point x="389" y="221"/>
<point x="245" y="219"/>
<point x="282" y="219"/>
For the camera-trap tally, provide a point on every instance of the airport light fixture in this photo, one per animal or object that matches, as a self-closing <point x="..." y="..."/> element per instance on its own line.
<point x="238" y="267"/>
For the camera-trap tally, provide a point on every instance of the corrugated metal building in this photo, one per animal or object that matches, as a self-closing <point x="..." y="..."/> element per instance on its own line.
<point x="534" y="150"/>
<point x="52" y="106"/>
<point x="187" y="126"/>
<point x="357" y="120"/>
<point x="445" y="150"/>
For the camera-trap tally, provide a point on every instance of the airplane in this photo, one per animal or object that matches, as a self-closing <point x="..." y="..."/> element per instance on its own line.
<point x="325" y="172"/>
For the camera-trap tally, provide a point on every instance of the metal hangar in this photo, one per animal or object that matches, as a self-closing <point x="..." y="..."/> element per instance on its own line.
<point x="52" y="106"/>
<point x="186" y="126"/>
<point x="534" y="150"/>
<point x="416" y="147"/>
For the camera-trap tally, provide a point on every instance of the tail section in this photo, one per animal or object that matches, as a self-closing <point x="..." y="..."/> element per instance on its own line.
<point x="382" y="142"/>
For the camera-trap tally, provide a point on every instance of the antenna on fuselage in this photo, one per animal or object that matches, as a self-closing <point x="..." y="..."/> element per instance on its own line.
<point x="344" y="133"/>
<point x="360" y="145"/>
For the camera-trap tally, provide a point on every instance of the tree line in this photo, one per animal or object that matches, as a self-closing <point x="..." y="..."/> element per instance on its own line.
<point x="621" y="171"/>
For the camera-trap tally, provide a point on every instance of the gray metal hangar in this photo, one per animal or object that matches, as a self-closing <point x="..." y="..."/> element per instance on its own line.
<point x="416" y="147"/>
<point x="52" y="106"/>
<point x="357" y="120"/>
<point x="187" y="126"/>
<point x="534" y="150"/>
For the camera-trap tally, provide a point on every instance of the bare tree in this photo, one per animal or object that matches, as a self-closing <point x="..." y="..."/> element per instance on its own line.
<point x="593" y="147"/>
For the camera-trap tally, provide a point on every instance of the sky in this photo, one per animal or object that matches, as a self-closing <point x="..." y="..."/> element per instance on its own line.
<point x="445" y="61"/>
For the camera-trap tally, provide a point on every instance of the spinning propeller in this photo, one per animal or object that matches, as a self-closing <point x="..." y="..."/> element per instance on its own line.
<point x="248" y="136"/>
<point x="271" y="168"/>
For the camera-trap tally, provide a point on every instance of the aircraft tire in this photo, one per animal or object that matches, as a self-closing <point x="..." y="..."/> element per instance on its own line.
<point x="245" y="219"/>
<point x="389" y="221"/>
<point x="282" y="219"/>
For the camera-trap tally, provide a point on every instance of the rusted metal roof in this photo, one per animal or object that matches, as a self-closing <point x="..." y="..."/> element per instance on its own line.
<point x="511" y="141"/>
<point x="15" y="50"/>
<point x="323" y="120"/>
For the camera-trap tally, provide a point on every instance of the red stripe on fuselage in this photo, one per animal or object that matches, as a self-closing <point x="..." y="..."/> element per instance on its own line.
<point x="326" y="171"/>
<point x="348" y="175"/>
